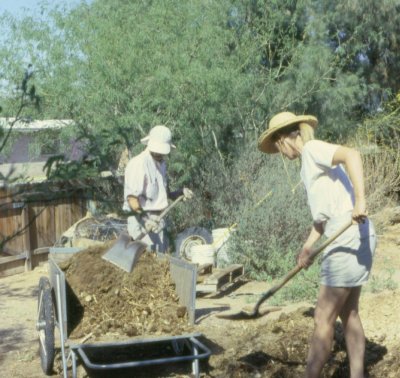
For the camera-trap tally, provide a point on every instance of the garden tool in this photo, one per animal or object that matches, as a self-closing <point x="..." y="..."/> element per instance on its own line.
<point x="255" y="313"/>
<point x="126" y="252"/>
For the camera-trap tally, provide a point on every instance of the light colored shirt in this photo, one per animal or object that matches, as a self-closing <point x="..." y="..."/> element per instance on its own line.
<point x="146" y="179"/>
<point x="329" y="190"/>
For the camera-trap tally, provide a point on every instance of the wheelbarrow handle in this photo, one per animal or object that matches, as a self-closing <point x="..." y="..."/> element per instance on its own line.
<point x="297" y="268"/>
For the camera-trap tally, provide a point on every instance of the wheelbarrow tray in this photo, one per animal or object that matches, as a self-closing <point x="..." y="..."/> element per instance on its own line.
<point x="135" y="352"/>
<point x="142" y="352"/>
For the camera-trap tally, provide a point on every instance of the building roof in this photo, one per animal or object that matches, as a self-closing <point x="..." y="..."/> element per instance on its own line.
<point x="25" y="125"/>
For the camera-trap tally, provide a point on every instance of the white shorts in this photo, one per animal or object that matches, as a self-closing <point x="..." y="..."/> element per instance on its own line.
<point x="347" y="261"/>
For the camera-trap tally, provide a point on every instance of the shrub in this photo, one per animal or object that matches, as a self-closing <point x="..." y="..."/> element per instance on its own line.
<point x="270" y="233"/>
<point x="378" y="140"/>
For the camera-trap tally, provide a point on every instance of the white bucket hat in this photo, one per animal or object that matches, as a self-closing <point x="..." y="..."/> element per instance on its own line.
<point x="159" y="140"/>
<point x="279" y="122"/>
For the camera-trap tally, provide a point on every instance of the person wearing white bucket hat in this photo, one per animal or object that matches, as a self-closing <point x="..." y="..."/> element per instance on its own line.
<point x="146" y="190"/>
<point x="335" y="196"/>
<point x="159" y="140"/>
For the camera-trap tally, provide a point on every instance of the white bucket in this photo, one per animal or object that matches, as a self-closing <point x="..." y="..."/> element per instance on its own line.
<point x="203" y="254"/>
<point x="220" y="237"/>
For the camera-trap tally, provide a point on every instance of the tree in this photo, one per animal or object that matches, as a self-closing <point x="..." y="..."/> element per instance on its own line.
<point x="25" y="99"/>
<point x="214" y="71"/>
<point x="172" y="65"/>
<point x="365" y="37"/>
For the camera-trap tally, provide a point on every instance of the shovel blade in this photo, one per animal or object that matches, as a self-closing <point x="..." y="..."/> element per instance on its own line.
<point x="125" y="253"/>
<point x="242" y="315"/>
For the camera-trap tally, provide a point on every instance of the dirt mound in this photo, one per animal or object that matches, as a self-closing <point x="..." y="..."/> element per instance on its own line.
<point x="278" y="348"/>
<point x="106" y="302"/>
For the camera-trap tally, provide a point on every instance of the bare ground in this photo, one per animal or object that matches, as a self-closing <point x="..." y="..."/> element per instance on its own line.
<point x="272" y="346"/>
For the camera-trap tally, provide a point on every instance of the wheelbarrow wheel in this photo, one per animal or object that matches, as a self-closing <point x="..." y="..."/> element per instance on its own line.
<point x="45" y="326"/>
<point x="189" y="237"/>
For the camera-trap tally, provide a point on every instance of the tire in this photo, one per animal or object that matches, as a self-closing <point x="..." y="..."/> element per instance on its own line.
<point x="45" y="326"/>
<point x="189" y="237"/>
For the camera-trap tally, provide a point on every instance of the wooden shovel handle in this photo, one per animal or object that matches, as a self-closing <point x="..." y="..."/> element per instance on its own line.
<point x="163" y="214"/>
<point x="170" y="207"/>
<point x="328" y="241"/>
<point x="297" y="268"/>
<point x="314" y="254"/>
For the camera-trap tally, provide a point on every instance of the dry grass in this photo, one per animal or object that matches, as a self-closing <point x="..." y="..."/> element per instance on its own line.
<point x="382" y="174"/>
<point x="382" y="177"/>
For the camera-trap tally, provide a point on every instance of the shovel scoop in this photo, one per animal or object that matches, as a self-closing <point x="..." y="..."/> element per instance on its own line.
<point x="255" y="313"/>
<point x="126" y="252"/>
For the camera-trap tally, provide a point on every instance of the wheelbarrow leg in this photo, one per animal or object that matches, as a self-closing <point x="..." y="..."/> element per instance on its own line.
<point x="195" y="363"/>
<point x="73" y="361"/>
<point x="61" y="322"/>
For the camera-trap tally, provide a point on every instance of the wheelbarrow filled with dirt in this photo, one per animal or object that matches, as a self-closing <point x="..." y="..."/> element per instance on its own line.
<point x="58" y="307"/>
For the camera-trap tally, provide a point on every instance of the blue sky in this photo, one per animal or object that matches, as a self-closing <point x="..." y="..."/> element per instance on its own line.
<point x="16" y="6"/>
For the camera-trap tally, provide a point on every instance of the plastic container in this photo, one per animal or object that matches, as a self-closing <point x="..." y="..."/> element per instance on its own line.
<point x="203" y="254"/>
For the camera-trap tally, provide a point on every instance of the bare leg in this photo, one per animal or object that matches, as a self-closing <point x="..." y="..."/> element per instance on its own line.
<point x="354" y="333"/>
<point x="330" y="303"/>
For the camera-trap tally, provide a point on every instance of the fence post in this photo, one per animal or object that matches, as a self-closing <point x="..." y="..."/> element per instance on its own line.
<point x="27" y="237"/>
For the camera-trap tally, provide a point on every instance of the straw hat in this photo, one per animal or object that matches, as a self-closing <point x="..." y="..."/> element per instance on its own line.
<point x="279" y="122"/>
<point x="159" y="140"/>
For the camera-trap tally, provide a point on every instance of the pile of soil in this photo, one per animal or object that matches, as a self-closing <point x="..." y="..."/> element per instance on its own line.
<point x="278" y="348"/>
<point x="108" y="303"/>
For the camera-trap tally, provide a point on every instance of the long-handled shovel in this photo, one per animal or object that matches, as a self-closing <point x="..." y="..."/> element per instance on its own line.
<point x="126" y="252"/>
<point x="255" y="313"/>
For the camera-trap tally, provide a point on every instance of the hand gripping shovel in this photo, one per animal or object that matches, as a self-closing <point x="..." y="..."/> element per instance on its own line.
<point x="126" y="252"/>
<point x="244" y="315"/>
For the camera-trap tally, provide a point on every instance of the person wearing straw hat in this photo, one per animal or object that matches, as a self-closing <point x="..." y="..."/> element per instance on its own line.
<point x="333" y="178"/>
<point x="146" y="190"/>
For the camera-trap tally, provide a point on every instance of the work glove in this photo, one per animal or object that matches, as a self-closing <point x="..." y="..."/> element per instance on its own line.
<point x="152" y="225"/>
<point x="187" y="194"/>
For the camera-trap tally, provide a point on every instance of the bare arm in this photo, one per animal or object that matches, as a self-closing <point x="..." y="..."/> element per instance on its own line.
<point x="303" y="257"/>
<point x="134" y="203"/>
<point x="352" y="161"/>
<point x="315" y="233"/>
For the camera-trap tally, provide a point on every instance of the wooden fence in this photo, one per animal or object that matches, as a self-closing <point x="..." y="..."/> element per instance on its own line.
<point x="33" y="218"/>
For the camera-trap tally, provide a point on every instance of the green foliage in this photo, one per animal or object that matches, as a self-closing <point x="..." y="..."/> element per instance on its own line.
<point x="365" y="36"/>
<point x="267" y="204"/>
<point x="24" y="100"/>
<point x="58" y="169"/>
<point x="378" y="139"/>
<point x="172" y="66"/>
<point x="383" y="128"/>
<point x="382" y="282"/>
<point x="274" y="234"/>
<point x="212" y="71"/>
<point x="303" y="287"/>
